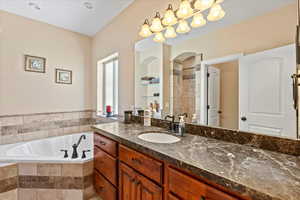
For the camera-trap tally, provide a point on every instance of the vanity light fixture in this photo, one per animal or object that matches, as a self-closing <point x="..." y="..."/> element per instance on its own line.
<point x="203" y="4"/>
<point x="185" y="9"/>
<point x="145" y="31"/>
<point x="169" y="18"/>
<point x="178" y="18"/>
<point x="170" y="32"/>
<point x="156" y="24"/>
<point x="216" y="13"/>
<point x="198" y="20"/>
<point x="183" y="27"/>
<point x="159" y="37"/>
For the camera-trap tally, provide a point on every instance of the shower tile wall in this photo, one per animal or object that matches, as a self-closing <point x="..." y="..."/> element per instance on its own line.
<point x="184" y="88"/>
<point x="20" y="128"/>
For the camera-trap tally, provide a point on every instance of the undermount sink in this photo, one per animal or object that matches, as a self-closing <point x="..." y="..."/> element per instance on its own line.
<point x="159" y="137"/>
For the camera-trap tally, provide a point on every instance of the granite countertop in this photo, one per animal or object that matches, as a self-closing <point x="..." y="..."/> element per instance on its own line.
<point x="256" y="173"/>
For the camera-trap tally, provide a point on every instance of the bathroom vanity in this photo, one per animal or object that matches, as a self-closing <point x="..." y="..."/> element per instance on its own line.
<point x="128" y="168"/>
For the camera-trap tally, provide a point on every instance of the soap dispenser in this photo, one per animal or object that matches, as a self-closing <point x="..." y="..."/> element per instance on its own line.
<point x="194" y="119"/>
<point x="181" y="126"/>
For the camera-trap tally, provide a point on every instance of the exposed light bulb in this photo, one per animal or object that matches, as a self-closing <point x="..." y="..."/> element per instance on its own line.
<point x="169" y="18"/>
<point x="216" y="13"/>
<point x="145" y="30"/>
<point x="159" y="37"/>
<point x="185" y="9"/>
<point x="198" y="21"/>
<point x="203" y="4"/>
<point x="170" y="32"/>
<point x="183" y="27"/>
<point x="156" y="24"/>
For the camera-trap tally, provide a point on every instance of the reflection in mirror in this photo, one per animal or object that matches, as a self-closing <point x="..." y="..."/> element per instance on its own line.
<point x="234" y="74"/>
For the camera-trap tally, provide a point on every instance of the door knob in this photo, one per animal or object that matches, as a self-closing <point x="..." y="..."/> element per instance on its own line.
<point x="244" y="118"/>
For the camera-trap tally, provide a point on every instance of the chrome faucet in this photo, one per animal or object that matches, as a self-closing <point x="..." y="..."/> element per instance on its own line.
<point x="75" y="146"/>
<point x="172" y="123"/>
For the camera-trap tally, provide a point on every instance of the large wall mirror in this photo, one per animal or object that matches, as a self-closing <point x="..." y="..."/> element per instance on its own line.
<point x="235" y="73"/>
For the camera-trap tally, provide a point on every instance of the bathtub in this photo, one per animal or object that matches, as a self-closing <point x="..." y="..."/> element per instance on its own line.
<point x="48" y="150"/>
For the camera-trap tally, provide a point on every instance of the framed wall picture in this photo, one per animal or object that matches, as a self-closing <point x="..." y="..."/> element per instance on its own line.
<point x="35" y="64"/>
<point x="63" y="76"/>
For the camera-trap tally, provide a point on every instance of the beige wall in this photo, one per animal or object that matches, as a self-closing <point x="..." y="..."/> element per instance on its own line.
<point x="120" y="35"/>
<point x="26" y="92"/>
<point x="229" y="94"/>
<point x="271" y="30"/>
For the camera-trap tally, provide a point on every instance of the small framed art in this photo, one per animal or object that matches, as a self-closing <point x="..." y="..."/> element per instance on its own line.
<point x="35" y="64"/>
<point x="63" y="76"/>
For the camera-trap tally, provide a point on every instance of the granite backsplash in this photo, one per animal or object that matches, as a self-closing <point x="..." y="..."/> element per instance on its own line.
<point x="276" y="144"/>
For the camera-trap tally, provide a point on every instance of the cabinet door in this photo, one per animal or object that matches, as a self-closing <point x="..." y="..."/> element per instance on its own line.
<point x="147" y="190"/>
<point x="134" y="186"/>
<point x="127" y="183"/>
<point x="106" y="165"/>
<point x="188" y="188"/>
<point x="103" y="188"/>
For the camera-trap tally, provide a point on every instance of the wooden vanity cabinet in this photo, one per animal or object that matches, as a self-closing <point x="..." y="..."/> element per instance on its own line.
<point x="188" y="188"/>
<point x="144" y="164"/>
<point x="122" y="173"/>
<point x="105" y="167"/>
<point x="134" y="186"/>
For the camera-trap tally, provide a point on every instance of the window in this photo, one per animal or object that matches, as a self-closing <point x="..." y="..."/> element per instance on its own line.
<point x="108" y="85"/>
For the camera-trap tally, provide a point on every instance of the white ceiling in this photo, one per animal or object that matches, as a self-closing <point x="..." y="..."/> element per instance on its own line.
<point x="69" y="14"/>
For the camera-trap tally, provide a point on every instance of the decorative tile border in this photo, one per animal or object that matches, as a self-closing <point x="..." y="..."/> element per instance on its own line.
<point x="280" y="145"/>
<point x="55" y="182"/>
<point x="17" y="128"/>
<point x="8" y="178"/>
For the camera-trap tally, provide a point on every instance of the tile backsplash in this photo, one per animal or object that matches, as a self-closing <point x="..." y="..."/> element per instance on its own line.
<point x="18" y="128"/>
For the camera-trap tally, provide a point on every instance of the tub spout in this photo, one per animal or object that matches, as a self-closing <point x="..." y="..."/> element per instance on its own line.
<point x="75" y="146"/>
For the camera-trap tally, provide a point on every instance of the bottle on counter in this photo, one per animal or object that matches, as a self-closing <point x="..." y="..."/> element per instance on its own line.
<point x="147" y="117"/>
<point x="181" y="127"/>
<point x="194" y="119"/>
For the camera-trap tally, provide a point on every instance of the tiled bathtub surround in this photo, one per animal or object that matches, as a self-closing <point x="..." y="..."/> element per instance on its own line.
<point x="281" y="145"/>
<point x="39" y="181"/>
<point x="8" y="181"/>
<point x="19" y="128"/>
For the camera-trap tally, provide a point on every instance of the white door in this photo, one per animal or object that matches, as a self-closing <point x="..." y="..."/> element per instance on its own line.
<point x="265" y="93"/>
<point x="213" y="96"/>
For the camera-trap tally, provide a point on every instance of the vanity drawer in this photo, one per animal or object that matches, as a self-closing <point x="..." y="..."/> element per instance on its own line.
<point x="105" y="144"/>
<point x="103" y="188"/>
<point x="106" y="165"/>
<point x="151" y="168"/>
<point x="187" y="187"/>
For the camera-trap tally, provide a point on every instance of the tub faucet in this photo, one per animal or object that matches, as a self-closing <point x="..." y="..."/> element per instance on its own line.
<point x="75" y="146"/>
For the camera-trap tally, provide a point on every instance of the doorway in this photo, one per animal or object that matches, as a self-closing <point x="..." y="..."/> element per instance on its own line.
<point x="219" y="81"/>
